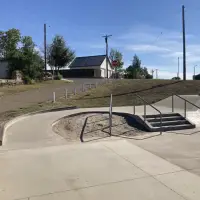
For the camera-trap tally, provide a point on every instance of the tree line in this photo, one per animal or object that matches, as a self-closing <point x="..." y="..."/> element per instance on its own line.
<point x="134" y="71"/>
<point x="22" y="54"/>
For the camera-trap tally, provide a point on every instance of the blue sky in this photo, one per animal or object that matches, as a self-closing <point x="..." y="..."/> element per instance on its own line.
<point x="150" y="29"/>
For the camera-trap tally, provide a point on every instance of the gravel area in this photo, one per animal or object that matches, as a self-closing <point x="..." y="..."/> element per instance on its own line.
<point x="87" y="127"/>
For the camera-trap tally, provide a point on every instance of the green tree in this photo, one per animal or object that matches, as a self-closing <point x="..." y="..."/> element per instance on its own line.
<point x="32" y="63"/>
<point x="135" y="71"/>
<point x="58" y="53"/>
<point x="176" y="78"/>
<point x="27" y="60"/>
<point x="117" y="56"/>
<point x="20" y="53"/>
<point x="9" y="41"/>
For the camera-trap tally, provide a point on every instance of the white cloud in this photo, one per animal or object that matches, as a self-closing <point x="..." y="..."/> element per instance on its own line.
<point x="162" y="47"/>
<point x="146" y="48"/>
<point x="168" y="72"/>
<point x="38" y="49"/>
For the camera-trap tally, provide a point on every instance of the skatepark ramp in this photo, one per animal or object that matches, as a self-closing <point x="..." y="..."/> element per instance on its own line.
<point x="165" y="121"/>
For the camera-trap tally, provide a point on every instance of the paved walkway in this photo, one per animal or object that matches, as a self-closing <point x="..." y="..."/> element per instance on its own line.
<point x="37" y="164"/>
<point x="37" y="129"/>
<point x="105" y="170"/>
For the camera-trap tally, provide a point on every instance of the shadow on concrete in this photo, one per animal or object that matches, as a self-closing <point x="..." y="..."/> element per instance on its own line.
<point x="121" y="135"/>
<point x="183" y="133"/>
<point x="130" y="120"/>
<point x="86" y="122"/>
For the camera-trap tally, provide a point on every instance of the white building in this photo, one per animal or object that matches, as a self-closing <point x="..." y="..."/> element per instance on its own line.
<point x="91" y="66"/>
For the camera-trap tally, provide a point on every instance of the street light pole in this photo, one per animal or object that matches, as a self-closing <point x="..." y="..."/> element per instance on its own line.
<point x="184" y="45"/>
<point x="106" y="41"/>
<point x="195" y="70"/>
<point x="178" y="67"/>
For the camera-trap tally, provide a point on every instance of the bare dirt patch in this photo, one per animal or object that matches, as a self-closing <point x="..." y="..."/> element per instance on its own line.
<point x="91" y="126"/>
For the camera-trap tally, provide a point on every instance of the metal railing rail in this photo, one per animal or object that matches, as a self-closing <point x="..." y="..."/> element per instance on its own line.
<point x="185" y="105"/>
<point x="110" y="115"/>
<point x="145" y="114"/>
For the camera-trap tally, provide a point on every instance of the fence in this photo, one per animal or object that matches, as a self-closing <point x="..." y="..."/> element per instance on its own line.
<point x="68" y="92"/>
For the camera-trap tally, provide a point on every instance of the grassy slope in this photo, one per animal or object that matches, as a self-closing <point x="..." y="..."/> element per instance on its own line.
<point x="124" y="92"/>
<point x="6" y="90"/>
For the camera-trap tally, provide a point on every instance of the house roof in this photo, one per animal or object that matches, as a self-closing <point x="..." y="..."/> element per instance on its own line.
<point x="88" y="61"/>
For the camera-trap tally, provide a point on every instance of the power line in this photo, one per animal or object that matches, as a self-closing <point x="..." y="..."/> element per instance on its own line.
<point x="157" y="38"/>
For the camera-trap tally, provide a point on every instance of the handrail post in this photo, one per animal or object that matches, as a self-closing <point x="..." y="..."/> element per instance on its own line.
<point x="145" y="112"/>
<point x="161" y="123"/>
<point x="172" y="103"/>
<point x="185" y="108"/>
<point x="134" y="109"/>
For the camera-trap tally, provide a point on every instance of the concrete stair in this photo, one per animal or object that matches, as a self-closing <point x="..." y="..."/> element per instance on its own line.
<point x="170" y="122"/>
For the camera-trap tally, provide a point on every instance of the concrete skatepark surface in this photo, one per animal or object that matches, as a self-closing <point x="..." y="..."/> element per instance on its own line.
<point x="37" y="164"/>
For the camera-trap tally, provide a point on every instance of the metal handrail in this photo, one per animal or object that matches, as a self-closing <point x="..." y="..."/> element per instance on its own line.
<point x="186" y="101"/>
<point x="146" y="103"/>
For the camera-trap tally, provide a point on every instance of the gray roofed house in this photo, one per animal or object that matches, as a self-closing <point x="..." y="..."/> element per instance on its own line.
<point x="91" y="66"/>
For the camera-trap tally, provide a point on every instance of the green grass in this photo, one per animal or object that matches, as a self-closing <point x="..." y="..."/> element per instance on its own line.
<point x="7" y="90"/>
<point x="124" y="92"/>
<point x="123" y="95"/>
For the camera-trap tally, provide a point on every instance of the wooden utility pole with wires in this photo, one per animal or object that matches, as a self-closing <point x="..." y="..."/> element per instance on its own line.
<point x="156" y="73"/>
<point x="152" y="73"/>
<point x="106" y="41"/>
<point x="184" y="45"/>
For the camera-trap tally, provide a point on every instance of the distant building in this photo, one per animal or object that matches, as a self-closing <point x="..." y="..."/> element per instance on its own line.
<point x="91" y="66"/>
<point x="3" y="69"/>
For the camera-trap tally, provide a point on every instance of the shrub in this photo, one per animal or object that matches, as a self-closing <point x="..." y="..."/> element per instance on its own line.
<point x="27" y="80"/>
<point x="149" y="76"/>
<point x="176" y="78"/>
<point x="197" y="77"/>
<point x="58" y="77"/>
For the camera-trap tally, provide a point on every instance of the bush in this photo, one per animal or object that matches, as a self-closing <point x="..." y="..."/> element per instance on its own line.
<point x="58" y="77"/>
<point x="149" y="76"/>
<point x="197" y="77"/>
<point x="176" y="78"/>
<point x="27" y="80"/>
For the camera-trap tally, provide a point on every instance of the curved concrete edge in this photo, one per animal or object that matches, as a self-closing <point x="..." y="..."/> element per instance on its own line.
<point x="5" y="125"/>
<point x="91" y="112"/>
<point x="123" y="114"/>
<point x="9" y="123"/>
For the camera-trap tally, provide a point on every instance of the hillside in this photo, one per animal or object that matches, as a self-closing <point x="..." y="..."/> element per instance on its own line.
<point x="124" y="92"/>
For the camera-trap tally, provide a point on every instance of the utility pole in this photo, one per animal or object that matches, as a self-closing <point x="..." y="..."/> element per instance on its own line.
<point x="178" y="67"/>
<point x="195" y="70"/>
<point x="184" y="45"/>
<point x="106" y="41"/>
<point x="152" y="72"/>
<point x="156" y="73"/>
<point x="45" y="47"/>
